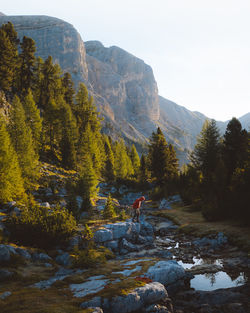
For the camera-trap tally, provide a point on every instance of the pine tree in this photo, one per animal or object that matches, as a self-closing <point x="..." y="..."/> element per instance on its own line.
<point x="52" y="126"/>
<point x="87" y="184"/>
<point x="163" y="164"/>
<point x="109" y="167"/>
<point x="85" y="110"/>
<point x="234" y="146"/>
<point x="10" y="31"/>
<point x="143" y="175"/>
<point x="50" y="85"/>
<point x="8" y="61"/>
<point x="90" y="144"/>
<point x="109" y="211"/>
<point x="21" y="137"/>
<point x="33" y="119"/>
<point x="11" y="182"/>
<point x="38" y="78"/>
<point x="207" y="150"/>
<point x="68" y="89"/>
<point x="69" y="138"/>
<point x="135" y="160"/>
<point x="123" y="164"/>
<point x="26" y="65"/>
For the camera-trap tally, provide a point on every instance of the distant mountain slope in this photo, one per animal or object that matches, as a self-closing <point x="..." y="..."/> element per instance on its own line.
<point x="245" y="121"/>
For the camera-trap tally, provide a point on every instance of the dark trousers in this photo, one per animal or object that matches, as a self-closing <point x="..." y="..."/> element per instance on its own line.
<point x="136" y="215"/>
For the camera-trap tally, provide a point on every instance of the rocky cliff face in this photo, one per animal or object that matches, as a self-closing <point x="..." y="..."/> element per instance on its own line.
<point x="128" y="86"/>
<point x="56" y="38"/>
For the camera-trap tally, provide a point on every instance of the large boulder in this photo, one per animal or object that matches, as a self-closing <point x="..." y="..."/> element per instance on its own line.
<point x="103" y="235"/>
<point x="124" y="229"/>
<point x="139" y="298"/>
<point x="166" y="272"/>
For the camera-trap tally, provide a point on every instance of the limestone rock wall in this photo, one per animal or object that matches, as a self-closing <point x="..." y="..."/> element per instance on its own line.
<point x="126" y="81"/>
<point x="56" y="38"/>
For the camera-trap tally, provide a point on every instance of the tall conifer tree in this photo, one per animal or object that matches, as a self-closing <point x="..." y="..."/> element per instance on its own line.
<point x="8" y="61"/>
<point x="11" y="182"/>
<point x="33" y="119"/>
<point x="135" y="159"/>
<point x="26" y="65"/>
<point x="109" y="167"/>
<point x="21" y="136"/>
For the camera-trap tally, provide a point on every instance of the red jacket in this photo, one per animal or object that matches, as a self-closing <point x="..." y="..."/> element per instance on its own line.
<point x="137" y="203"/>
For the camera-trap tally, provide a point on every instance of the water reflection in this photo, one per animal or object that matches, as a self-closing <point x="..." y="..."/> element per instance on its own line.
<point x="212" y="281"/>
<point x="199" y="261"/>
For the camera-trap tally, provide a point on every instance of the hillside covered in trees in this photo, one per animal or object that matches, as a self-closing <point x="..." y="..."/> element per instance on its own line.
<point x="47" y="119"/>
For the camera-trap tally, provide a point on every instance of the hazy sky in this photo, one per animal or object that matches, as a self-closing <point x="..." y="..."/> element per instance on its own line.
<point x="199" y="49"/>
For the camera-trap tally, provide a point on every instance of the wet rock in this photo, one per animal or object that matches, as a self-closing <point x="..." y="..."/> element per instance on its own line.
<point x="166" y="272"/>
<point x="5" y="274"/>
<point x="139" y="298"/>
<point x="5" y="294"/>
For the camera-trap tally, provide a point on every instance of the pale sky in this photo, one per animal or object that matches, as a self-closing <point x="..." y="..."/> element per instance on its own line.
<point x="199" y="49"/>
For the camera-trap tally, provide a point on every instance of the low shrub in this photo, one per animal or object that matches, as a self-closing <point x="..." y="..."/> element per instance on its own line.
<point x="41" y="227"/>
<point x="92" y="257"/>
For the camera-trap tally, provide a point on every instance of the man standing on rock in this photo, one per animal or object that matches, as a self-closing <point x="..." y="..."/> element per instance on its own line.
<point x="136" y="207"/>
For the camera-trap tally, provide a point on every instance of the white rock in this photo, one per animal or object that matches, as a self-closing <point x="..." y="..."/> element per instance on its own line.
<point x="137" y="299"/>
<point x="103" y="235"/>
<point x="166" y="272"/>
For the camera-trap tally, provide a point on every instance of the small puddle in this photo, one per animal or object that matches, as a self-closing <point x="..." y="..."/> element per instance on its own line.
<point x="212" y="281"/>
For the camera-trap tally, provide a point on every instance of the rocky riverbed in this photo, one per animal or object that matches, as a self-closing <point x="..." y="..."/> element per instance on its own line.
<point x="156" y="268"/>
